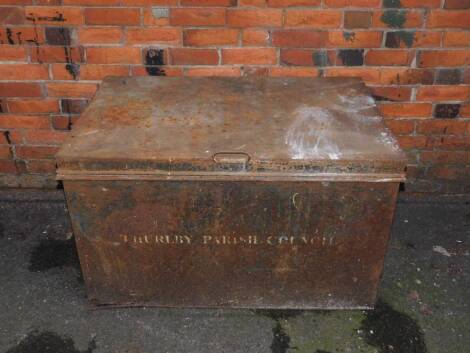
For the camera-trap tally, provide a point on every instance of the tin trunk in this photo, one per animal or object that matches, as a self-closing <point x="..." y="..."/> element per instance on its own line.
<point x="210" y="192"/>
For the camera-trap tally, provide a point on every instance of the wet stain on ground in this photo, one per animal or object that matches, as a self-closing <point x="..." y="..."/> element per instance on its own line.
<point x="391" y="331"/>
<point x="281" y="340"/>
<point x="48" y="342"/>
<point x="50" y="253"/>
<point x="320" y="351"/>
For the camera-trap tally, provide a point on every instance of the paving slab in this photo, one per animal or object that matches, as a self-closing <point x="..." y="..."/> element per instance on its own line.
<point x="423" y="307"/>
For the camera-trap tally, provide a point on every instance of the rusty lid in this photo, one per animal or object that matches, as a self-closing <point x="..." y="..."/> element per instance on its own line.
<point x="231" y="127"/>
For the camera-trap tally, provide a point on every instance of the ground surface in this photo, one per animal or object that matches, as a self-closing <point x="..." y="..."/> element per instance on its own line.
<point x="424" y="304"/>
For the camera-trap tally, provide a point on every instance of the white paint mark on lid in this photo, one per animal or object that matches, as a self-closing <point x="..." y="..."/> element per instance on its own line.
<point x="309" y="135"/>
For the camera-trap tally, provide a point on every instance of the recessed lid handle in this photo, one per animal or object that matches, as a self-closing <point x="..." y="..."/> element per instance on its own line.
<point x="231" y="157"/>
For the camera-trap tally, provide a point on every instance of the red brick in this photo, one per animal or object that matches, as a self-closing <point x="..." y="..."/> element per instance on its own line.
<point x="293" y="72"/>
<point x="465" y="111"/>
<point x="5" y="152"/>
<point x="63" y="122"/>
<point x="56" y="54"/>
<point x="113" y="55"/>
<point x="210" y="37"/>
<point x="443" y="127"/>
<point x="209" y="3"/>
<point x="89" y="72"/>
<point x="400" y="127"/>
<point x="12" y="53"/>
<point x="99" y="35"/>
<point x="48" y="2"/>
<point x="60" y="72"/>
<point x="34" y="106"/>
<point x="169" y="71"/>
<point x="426" y="39"/>
<point x="8" y="167"/>
<point x="299" y="39"/>
<point x="369" y="75"/>
<point x="183" y="56"/>
<point x="446" y="157"/>
<point x="443" y="93"/>
<point x="54" y="15"/>
<point x="392" y="93"/>
<point x="456" y="39"/>
<point x="466" y="76"/>
<point x="149" y="2"/>
<point x="357" y="19"/>
<point x="151" y="20"/>
<point x="289" y="3"/>
<point x="450" y="142"/>
<point x="11" y="16"/>
<point x="213" y="71"/>
<point x="45" y="137"/>
<point x="363" y="39"/>
<point x="36" y="152"/>
<point x="405" y="110"/>
<point x="45" y="166"/>
<point x="20" y="89"/>
<point x="433" y="58"/>
<point x="99" y="72"/>
<point x="23" y="72"/>
<point x="457" y="4"/>
<point x="420" y="40"/>
<point x="313" y="19"/>
<point x="352" y="3"/>
<point x="197" y="17"/>
<point x="16" y="2"/>
<point x="14" y="137"/>
<point x="90" y="2"/>
<point x="258" y="56"/>
<point x="254" y="17"/>
<point x="254" y="71"/>
<point x="255" y="37"/>
<point x="297" y="57"/>
<point x="153" y="35"/>
<point x="112" y="16"/>
<point x="24" y="121"/>
<point x="448" y="19"/>
<point x="412" y="142"/>
<point x="73" y="106"/>
<point x="252" y="3"/>
<point x="3" y="108"/>
<point x="22" y="35"/>
<point x="73" y="90"/>
<point x="420" y="3"/>
<point x="413" y="19"/>
<point x="388" y="57"/>
<point x="406" y="76"/>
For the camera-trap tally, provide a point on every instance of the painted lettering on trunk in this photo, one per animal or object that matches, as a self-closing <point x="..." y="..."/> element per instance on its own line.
<point x="273" y="240"/>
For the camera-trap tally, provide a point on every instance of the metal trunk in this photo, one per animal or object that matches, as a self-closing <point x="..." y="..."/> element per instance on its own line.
<point x="222" y="192"/>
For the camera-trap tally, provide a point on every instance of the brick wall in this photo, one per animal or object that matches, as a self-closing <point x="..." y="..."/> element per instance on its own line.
<point x="414" y="54"/>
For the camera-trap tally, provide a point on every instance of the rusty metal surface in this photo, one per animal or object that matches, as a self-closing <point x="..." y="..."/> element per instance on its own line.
<point x="223" y="192"/>
<point x="257" y="125"/>
<point x="232" y="244"/>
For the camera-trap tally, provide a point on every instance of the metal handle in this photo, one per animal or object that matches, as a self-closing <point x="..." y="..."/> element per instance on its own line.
<point x="231" y="157"/>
